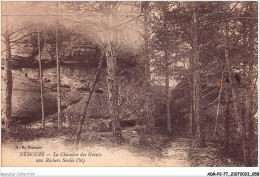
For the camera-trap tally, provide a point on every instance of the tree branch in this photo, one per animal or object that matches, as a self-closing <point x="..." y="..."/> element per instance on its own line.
<point x="209" y="93"/>
<point x="17" y="40"/>
<point x="19" y="30"/>
<point x="229" y="19"/>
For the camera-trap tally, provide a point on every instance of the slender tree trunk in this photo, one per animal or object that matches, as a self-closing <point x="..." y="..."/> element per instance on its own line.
<point x="199" y="124"/>
<point x="167" y="93"/>
<point x="149" y="98"/>
<point x="219" y="99"/>
<point x="194" y="104"/>
<point x="227" y="117"/>
<point x="146" y="50"/>
<point x="246" y="62"/>
<point x="193" y="94"/>
<point x="58" y="82"/>
<point x="167" y="72"/>
<point x="40" y="78"/>
<point x="247" y="89"/>
<point x="113" y="92"/>
<point x="249" y="93"/>
<point x="86" y="104"/>
<point x="196" y="52"/>
<point x="7" y="86"/>
<point x="190" y="120"/>
<point x="239" y="120"/>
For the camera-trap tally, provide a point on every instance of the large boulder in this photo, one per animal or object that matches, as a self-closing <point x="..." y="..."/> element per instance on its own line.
<point x="26" y="104"/>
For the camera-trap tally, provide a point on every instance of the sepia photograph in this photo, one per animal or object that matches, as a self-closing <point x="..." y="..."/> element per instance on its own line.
<point x="129" y="84"/>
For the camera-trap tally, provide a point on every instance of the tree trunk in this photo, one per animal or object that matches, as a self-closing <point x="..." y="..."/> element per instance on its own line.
<point x="194" y="104"/>
<point x="190" y="120"/>
<point x="146" y="50"/>
<point x="167" y="72"/>
<point x="227" y="117"/>
<point x="239" y="120"/>
<point x="58" y="82"/>
<point x="199" y="124"/>
<point x="113" y="92"/>
<point x="85" y="107"/>
<point x="196" y="52"/>
<point x="249" y="92"/>
<point x="167" y="93"/>
<point x="149" y="97"/>
<point x="193" y="90"/>
<point x="7" y="86"/>
<point x="40" y="78"/>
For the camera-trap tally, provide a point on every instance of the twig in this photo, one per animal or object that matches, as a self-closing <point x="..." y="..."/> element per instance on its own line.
<point x="209" y="93"/>
<point x="211" y="103"/>
<point x="219" y="97"/>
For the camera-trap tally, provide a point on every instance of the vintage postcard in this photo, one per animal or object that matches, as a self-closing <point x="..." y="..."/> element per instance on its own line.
<point x="129" y="84"/>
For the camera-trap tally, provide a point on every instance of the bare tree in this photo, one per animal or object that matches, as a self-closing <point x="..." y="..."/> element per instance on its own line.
<point x="167" y="92"/>
<point x="249" y="89"/>
<point x="7" y="84"/>
<point x="58" y="80"/>
<point x="109" y="40"/>
<point x="10" y="39"/>
<point x="145" y="9"/>
<point x="167" y="73"/>
<point x="197" y="80"/>
<point x="40" y="78"/>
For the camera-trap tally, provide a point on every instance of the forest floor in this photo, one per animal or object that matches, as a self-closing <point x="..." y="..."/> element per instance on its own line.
<point x="139" y="149"/>
<point x="152" y="149"/>
<point x="211" y="156"/>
